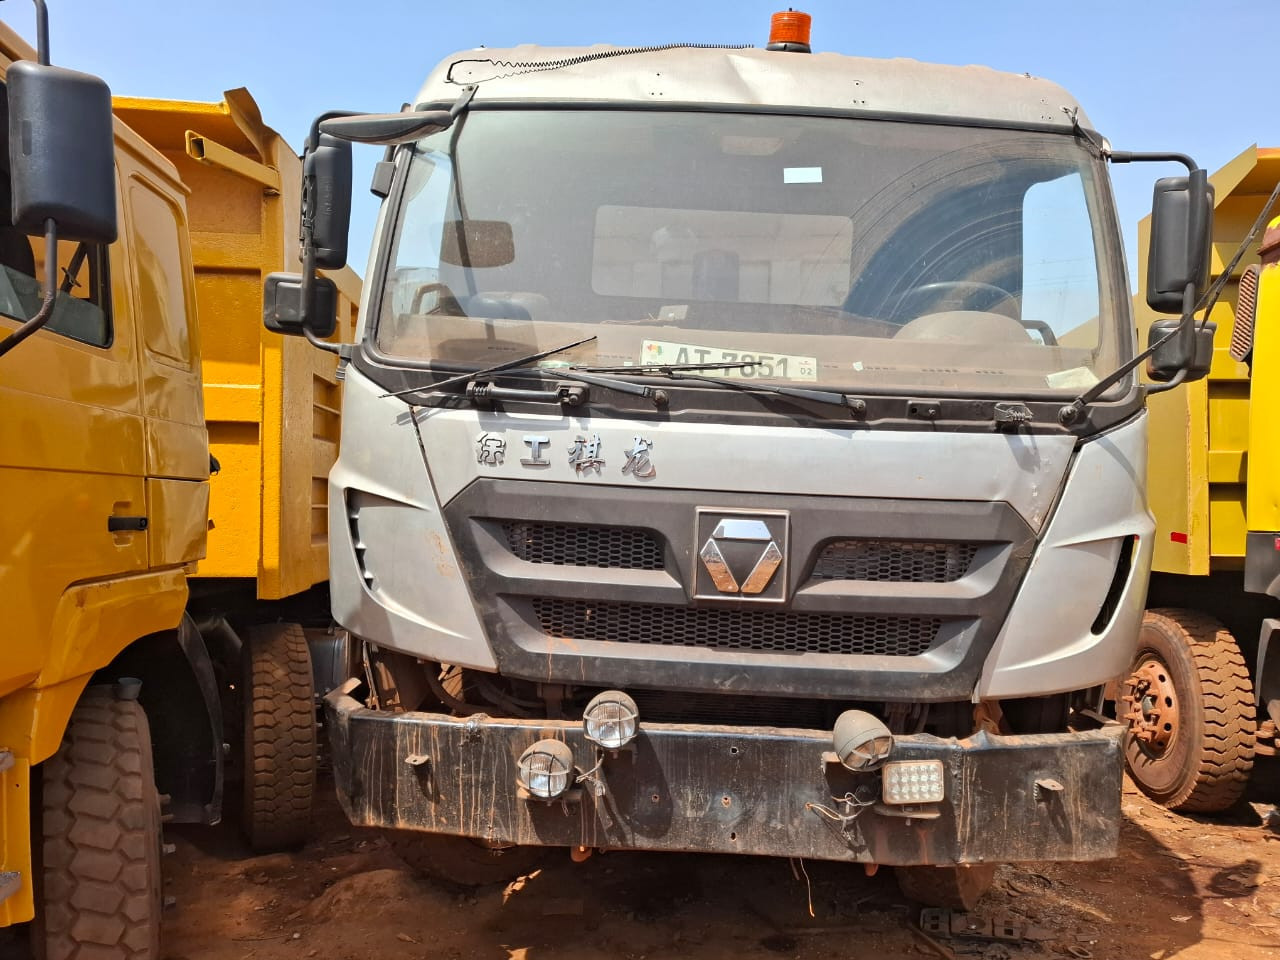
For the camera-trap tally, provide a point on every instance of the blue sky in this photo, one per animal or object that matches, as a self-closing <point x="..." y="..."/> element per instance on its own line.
<point x="1186" y="75"/>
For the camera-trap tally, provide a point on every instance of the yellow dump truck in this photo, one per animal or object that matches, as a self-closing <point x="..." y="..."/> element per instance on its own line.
<point x="126" y="678"/>
<point x="272" y="409"/>
<point x="1204" y="695"/>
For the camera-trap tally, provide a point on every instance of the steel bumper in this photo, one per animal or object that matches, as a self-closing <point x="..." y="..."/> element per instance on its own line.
<point x="757" y="790"/>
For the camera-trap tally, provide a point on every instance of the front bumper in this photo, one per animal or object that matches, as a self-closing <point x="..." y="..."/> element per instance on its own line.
<point x="728" y="790"/>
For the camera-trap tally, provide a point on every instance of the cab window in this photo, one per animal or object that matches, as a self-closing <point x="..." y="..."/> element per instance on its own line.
<point x="160" y="275"/>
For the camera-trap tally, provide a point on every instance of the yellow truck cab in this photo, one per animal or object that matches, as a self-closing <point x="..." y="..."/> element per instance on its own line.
<point x="104" y="471"/>
<point x="162" y="614"/>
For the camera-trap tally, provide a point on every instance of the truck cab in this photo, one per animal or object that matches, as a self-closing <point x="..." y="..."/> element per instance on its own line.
<point x="104" y="467"/>
<point x="739" y="455"/>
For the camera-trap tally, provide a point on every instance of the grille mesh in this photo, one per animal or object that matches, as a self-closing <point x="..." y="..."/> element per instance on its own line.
<point x="569" y="545"/>
<point x="777" y="631"/>
<point x="899" y="561"/>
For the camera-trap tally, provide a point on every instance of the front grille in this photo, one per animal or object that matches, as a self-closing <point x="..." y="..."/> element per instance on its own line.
<point x="571" y="545"/>
<point x="898" y="561"/>
<point x="776" y="631"/>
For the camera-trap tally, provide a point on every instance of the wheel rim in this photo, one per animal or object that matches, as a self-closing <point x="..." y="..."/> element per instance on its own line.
<point x="1153" y="715"/>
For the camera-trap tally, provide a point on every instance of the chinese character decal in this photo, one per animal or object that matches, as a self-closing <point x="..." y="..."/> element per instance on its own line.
<point x="638" y="463"/>
<point x="584" y="454"/>
<point x="536" y="445"/>
<point x="491" y="449"/>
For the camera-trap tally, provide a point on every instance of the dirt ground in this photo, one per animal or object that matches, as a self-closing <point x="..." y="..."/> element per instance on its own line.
<point x="1197" y="889"/>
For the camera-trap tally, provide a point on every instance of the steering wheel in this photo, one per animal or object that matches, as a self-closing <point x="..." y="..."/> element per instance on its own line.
<point x="956" y="295"/>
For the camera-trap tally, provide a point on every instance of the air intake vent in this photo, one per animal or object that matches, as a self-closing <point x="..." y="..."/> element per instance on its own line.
<point x="570" y="545"/>
<point x="1246" y="314"/>
<point x="894" y="561"/>
<point x="777" y="631"/>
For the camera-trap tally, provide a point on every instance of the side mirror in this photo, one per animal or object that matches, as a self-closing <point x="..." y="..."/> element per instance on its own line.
<point x="1172" y="356"/>
<point x="327" y="200"/>
<point x="61" y="152"/>
<point x="1181" y="235"/>
<point x="282" y="306"/>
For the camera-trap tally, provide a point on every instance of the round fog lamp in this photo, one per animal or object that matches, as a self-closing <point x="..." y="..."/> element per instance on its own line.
<point x="862" y="742"/>
<point x="546" y="769"/>
<point x="611" y="719"/>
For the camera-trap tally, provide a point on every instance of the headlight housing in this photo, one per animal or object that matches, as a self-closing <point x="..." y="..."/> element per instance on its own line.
<point x="862" y="742"/>
<point x="546" y="769"/>
<point x="611" y="720"/>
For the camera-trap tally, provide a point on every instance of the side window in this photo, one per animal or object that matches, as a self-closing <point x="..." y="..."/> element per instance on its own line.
<point x="1059" y="265"/>
<point x="82" y="310"/>
<point x="161" y="275"/>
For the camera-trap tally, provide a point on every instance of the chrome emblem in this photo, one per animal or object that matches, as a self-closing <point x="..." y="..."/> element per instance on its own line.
<point x="638" y="463"/>
<point x="584" y="454"/>
<point x="491" y="449"/>
<point x="535" y="457"/>
<point x="746" y="544"/>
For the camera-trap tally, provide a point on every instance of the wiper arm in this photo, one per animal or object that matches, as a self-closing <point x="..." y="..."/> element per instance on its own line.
<point x="683" y="371"/>
<point x="800" y="393"/>
<point x="487" y="371"/>
<point x="665" y="369"/>
<point x="659" y="398"/>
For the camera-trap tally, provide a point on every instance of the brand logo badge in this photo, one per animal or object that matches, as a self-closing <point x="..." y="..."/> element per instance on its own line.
<point x="743" y="556"/>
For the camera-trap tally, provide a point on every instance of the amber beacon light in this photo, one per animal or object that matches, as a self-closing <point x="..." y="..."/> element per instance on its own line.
<point x="789" y="30"/>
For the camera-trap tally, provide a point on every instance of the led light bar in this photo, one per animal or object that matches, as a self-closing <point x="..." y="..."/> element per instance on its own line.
<point x="910" y="782"/>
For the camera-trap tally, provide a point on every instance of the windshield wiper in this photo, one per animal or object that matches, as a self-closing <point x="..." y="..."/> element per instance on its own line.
<point x="487" y="371"/>
<point x="853" y="404"/>
<point x="666" y="368"/>
<point x="683" y="371"/>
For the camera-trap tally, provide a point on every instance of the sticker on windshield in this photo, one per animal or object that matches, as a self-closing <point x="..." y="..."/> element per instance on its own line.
<point x="801" y="174"/>
<point x="1077" y="378"/>
<point x="777" y="366"/>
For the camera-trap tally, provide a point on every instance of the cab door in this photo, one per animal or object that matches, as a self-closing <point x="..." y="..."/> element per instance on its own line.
<point x="72" y="440"/>
<point x="177" y="443"/>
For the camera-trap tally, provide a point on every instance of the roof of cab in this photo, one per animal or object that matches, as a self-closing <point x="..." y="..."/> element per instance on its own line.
<point x="752" y="77"/>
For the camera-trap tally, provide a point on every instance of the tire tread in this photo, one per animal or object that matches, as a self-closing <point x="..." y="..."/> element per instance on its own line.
<point x="280" y="737"/>
<point x="1226" y="743"/>
<point x="100" y="832"/>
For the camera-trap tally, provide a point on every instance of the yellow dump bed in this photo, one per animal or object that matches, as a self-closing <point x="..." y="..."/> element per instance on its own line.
<point x="1215" y="460"/>
<point x="271" y="402"/>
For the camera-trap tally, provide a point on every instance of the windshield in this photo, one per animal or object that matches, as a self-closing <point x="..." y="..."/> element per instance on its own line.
<point x="864" y="255"/>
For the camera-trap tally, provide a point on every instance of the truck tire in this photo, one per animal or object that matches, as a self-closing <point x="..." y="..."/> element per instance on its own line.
<point x="462" y="861"/>
<point x="955" y="887"/>
<point x="1189" y="746"/>
<point x="100" y="838"/>
<point x="279" y="737"/>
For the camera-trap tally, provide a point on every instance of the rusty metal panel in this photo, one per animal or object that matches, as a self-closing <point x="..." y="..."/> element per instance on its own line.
<point x="755" y="790"/>
<point x="271" y="403"/>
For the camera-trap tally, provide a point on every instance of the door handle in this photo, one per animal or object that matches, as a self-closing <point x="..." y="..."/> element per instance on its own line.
<point x="125" y="524"/>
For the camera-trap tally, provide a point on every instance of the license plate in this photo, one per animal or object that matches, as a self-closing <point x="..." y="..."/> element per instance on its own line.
<point x="776" y="366"/>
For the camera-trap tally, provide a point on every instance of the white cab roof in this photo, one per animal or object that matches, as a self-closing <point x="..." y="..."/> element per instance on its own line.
<point x="752" y="77"/>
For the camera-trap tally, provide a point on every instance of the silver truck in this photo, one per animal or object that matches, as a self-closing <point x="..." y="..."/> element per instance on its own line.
<point x="741" y="452"/>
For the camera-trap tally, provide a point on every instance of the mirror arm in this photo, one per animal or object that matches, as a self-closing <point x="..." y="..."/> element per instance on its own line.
<point x="1131" y="156"/>
<point x="318" y="343"/>
<point x="1187" y="326"/>
<point x="1178" y="377"/>
<point x="42" y="32"/>
<point x="50" y="292"/>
